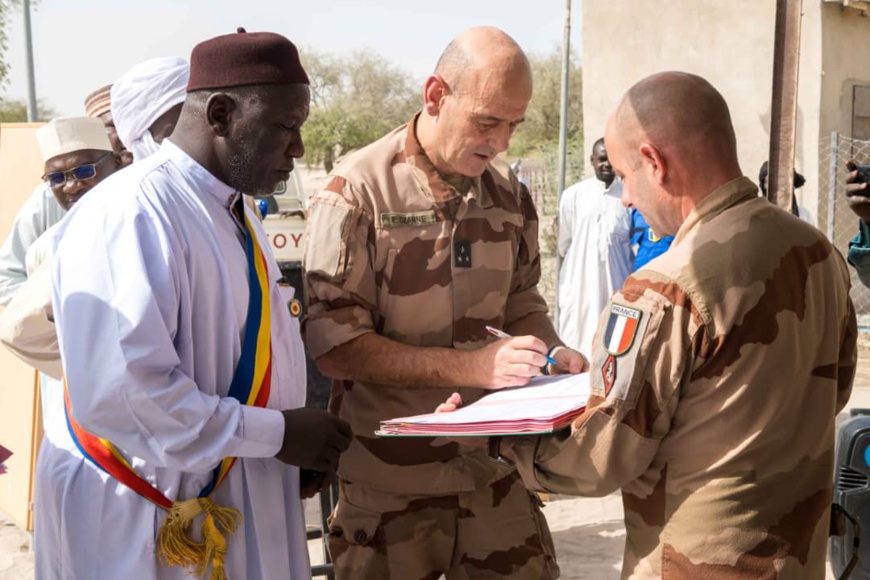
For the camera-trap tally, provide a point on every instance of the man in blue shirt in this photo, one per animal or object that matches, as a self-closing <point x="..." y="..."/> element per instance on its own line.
<point x="649" y="245"/>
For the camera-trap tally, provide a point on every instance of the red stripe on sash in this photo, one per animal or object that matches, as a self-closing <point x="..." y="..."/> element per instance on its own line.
<point x="101" y="452"/>
<point x="104" y="454"/>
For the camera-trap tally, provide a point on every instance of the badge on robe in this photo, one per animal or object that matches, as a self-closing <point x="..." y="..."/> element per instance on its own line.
<point x="621" y="329"/>
<point x="295" y="308"/>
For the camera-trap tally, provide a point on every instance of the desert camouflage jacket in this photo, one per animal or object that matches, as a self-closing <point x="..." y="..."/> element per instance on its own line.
<point x="393" y="248"/>
<point x="717" y="373"/>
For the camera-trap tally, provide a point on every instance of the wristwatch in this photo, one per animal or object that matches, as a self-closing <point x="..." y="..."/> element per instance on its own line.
<point x="551" y="353"/>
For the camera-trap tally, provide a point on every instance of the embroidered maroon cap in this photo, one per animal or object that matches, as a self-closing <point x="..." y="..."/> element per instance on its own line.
<point x="244" y="59"/>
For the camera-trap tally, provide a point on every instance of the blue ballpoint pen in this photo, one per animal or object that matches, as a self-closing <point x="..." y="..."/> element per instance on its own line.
<point x="503" y="334"/>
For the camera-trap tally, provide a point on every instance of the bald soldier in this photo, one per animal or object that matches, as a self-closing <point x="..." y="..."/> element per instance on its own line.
<point x="416" y="243"/>
<point x="718" y="368"/>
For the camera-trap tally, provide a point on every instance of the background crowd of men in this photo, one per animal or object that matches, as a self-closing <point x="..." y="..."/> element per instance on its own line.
<point x="139" y="281"/>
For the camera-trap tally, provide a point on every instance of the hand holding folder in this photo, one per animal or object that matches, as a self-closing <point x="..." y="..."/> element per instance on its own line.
<point x="545" y="405"/>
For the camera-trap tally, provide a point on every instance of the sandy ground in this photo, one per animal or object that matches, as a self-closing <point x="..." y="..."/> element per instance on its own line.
<point x="588" y="532"/>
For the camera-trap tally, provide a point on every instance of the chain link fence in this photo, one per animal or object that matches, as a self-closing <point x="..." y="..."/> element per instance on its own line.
<point x="835" y="217"/>
<point x="541" y="176"/>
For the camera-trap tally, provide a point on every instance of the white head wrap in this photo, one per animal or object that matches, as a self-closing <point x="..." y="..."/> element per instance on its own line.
<point x="67" y="134"/>
<point x="142" y="95"/>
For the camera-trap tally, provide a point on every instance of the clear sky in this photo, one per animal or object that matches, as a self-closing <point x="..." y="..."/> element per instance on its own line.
<point x="81" y="45"/>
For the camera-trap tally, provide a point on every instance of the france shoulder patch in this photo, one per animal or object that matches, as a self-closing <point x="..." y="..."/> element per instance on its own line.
<point x="621" y="329"/>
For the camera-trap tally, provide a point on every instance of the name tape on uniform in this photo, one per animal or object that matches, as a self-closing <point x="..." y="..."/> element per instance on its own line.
<point x="398" y="220"/>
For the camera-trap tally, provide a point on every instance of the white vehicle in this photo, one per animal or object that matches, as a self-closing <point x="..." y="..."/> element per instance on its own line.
<point x="285" y="222"/>
<point x="285" y="227"/>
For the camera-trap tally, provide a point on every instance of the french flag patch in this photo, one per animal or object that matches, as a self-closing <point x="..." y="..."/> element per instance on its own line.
<point x="621" y="328"/>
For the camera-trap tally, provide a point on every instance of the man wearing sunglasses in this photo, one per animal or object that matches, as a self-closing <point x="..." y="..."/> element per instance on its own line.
<point x="41" y="210"/>
<point x="73" y="174"/>
<point x="76" y="159"/>
<point x="78" y="155"/>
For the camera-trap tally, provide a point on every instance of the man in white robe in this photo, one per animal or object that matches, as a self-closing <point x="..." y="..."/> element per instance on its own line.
<point x="41" y="210"/>
<point x="595" y="245"/>
<point x="38" y="213"/>
<point x="146" y="102"/>
<point x="145" y="105"/>
<point x="68" y="146"/>
<point x="150" y="295"/>
<point x="78" y="155"/>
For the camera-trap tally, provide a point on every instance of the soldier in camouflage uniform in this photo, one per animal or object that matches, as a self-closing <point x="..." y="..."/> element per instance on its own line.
<point x="416" y="243"/>
<point x="719" y="367"/>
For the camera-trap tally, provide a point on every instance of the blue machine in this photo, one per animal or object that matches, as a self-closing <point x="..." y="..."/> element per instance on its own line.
<point x="852" y="494"/>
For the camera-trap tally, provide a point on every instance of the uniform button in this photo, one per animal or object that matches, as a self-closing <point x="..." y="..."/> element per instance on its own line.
<point x="360" y="536"/>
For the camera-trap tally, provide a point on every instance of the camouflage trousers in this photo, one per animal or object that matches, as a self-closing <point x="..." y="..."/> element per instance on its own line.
<point x="497" y="531"/>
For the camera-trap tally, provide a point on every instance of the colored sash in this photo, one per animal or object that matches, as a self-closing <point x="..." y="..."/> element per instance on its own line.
<point x="251" y="385"/>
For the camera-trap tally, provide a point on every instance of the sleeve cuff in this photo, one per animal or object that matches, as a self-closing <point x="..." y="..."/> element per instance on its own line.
<point x="859" y="247"/>
<point x="326" y="332"/>
<point x="521" y="451"/>
<point x="262" y="432"/>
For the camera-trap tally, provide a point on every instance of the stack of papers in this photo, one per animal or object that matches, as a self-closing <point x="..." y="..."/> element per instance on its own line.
<point x="545" y="405"/>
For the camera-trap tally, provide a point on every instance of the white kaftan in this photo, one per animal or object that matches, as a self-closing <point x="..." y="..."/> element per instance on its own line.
<point x="595" y="244"/>
<point x="150" y="295"/>
<point x="37" y="214"/>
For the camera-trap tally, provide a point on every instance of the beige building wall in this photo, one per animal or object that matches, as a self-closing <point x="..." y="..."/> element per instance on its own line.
<point x="846" y="57"/>
<point x="728" y="43"/>
<point x="20" y="417"/>
<point x="845" y="54"/>
<point x="808" y="134"/>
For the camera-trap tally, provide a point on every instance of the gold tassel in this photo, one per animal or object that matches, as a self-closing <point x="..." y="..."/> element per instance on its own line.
<point x="174" y="544"/>
<point x="219" y="522"/>
<point x="176" y="548"/>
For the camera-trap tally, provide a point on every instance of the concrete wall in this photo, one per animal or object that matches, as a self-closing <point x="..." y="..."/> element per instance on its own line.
<point x="729" y="43"/>
<point x="20" y="417"/>
<point x="846" y="61"/>
<point x="809" y="133"/>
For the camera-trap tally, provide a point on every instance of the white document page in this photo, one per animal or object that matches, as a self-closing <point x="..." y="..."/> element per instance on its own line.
<point x="541" y="402"/>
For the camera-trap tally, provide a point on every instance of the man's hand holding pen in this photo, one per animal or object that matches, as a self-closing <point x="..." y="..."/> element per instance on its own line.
<point x="512" y="361"/>
<point x="568" y="361"/>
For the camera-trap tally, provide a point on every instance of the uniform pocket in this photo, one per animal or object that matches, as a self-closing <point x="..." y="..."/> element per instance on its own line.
<point x="357" y="526"/>
<point x="356" y="543"/>
<point x="326" y="254"/>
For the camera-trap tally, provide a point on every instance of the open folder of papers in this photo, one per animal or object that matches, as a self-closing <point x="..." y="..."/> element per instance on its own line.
<point x="545" y="405"/>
